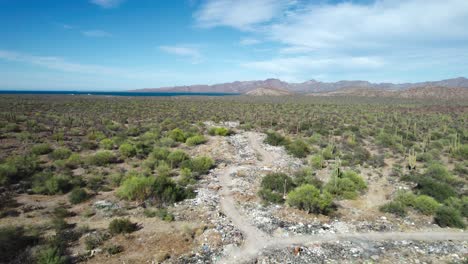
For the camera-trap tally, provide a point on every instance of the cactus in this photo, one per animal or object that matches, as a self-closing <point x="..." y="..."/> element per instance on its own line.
<point x="426" y="141"/>
<point x="455" y="144"/>
<point x="411" y="159"/>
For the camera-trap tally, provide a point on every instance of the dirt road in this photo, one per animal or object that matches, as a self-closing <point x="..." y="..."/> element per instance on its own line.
<point x="256" y="240"/>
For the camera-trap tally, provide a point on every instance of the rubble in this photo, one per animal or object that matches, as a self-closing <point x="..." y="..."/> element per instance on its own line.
<point x="358" y="252"/>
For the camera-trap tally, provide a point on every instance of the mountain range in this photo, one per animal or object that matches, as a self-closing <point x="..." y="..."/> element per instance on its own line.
<point x="312" y="86"/>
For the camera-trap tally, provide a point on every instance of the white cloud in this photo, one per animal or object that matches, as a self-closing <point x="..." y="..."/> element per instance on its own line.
<point x="96" y="33"/>
<point x="249" y="41"/>
<point x="349" y="38"/>
<point x="60" y="64"/>
<point x="107" y="3"/>
<point x="381" y="24"/>
<point x="184" y="51"/>
<point x="307" y="64"/>
<point x="66" y="26"/>
<point x="240" y="14"/>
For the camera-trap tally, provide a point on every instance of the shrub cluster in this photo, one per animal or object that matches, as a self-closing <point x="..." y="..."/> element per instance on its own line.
<point x="195" y="140"/>
<point x="50" y="183"/>
<point x="60" y="154"/>
<point x="17" y="168"/>
<point x="346" y="185"/>
<point x="122" y="226"/>
<point x="101" y="158"/>
<point x="41" y="149"/>
<point x="13" y="241"/>
<point x="219" y="131"/>
<point x="78" y="195"/>
<point x="449" y="217"/>
<point x="160" y="189"/>
<point x="307" y="197"/>
<point x="298" y="148"/>
<point x="275" y="139"/>
<point x="422" y="203"/>
<point x="274" y="186"/>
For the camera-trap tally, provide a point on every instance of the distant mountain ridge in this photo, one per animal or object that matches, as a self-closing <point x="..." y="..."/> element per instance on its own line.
<point x="445" y="93"/>
<point x="268" y="92"/>
<point x="311" y="86"/>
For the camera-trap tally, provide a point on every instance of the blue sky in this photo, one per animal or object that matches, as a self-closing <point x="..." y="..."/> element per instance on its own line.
<point x="130" y="44"/>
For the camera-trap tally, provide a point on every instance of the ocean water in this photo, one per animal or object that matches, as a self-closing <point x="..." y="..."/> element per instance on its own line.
<point x="115" y="93"/>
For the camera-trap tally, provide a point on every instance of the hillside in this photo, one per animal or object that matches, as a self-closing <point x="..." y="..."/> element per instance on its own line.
<point x="311" y="86"/>
<point x="268" y="92"/>
<point x="445" y="93"/>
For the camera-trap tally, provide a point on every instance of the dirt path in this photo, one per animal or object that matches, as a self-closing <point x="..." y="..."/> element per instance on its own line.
<point x="256" y="240"/>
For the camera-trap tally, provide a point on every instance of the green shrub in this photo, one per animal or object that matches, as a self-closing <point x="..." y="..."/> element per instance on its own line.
<point x="347" y="185"/>
<point x="13" y="241"/>
<point x="127" y="150"/>
<point x="78" y="195"/>
<point x="275" y="139"/>
<point x="394" y="207"/>
<point x="167" y="142"/>
<point x="438" y="190"/>
<point x="439" y="172"/>
<point x="12" y="128"/>
<point x="460" y="205"/>
<point x="163" y="169"/>
<point x="424" y="157"/>
<point x="7" y="173"/>
<point x="448" y="217"/>
<point x="41" y="149"/>
<point x="88" y="144"/>
<point x="177" y="135"/>
<point x="107" y="143"/>
<point x="274" y="186"/>
<point x="59" y="224"/>
<point x="298" y="148"/>
<point x="199" y="165"/>
<point x="61" y="212"/>
<point x="271" y="197"/>
<point x="176" y="157"/>
<point x="386" y="140"/>
<point x="406" y="198"/>
<point x="309" y="198"/>
<point x="425" y="204"/>
<point x="18" y="168"/>
<point x="219" y="131"/>
<point x="317" y="161"/>
<point x="462" y="152"/>
<point x="161" y="213"/>
<point x="306" y="176"/>
<point x="327" y="153"/>
<point x="195" y="140"/>
<point x="74" y="161"/>
<point x="278" y="182"/>
<point x="101" y="158"/>
<point x="167" y="191"/>
<point x="122" y="226"/>
<point x="113" y="249"/>
<point x="136" y="188"/>
<point x="96" y="239"/>
<point x="60" y="153"/>
<point x="51" y="255"/>
<point x="48" y="183"/>
<point x="461" y="168"/>
<point x="160" y="153"/>
<point x="143" y="149"/>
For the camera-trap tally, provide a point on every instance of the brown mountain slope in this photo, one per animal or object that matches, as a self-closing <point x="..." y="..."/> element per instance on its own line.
<point x="268" y="92"/>
<point x="443" y="93"/>
<point x="311" y="86"/>
<point x="434" y="92"/>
